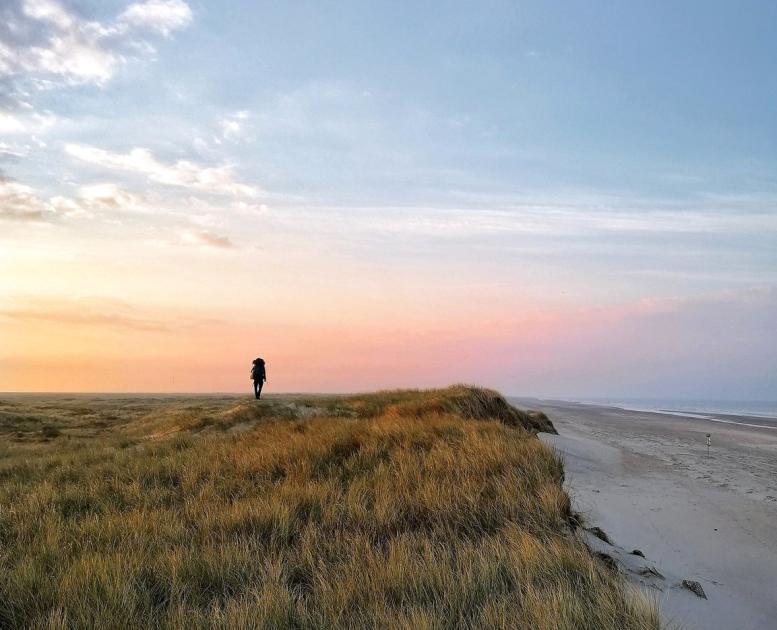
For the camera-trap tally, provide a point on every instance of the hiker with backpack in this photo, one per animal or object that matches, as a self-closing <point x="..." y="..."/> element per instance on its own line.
<point x="259" y="376"/>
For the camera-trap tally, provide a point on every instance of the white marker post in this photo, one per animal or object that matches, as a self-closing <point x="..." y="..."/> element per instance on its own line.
<point x="709" y="441"/>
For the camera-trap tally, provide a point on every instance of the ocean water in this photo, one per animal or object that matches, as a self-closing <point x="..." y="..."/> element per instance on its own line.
<point x="756" y="409"/>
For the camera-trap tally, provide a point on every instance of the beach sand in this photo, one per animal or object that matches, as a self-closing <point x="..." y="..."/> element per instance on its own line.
<point x="646" y="480"/>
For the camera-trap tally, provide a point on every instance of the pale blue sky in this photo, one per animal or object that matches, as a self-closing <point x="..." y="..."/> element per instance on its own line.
<point x="650" y="98"/>
<point x="588" y="154"/>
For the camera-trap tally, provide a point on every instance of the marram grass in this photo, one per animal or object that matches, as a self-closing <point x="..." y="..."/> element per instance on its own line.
<point x="421" y="509"/>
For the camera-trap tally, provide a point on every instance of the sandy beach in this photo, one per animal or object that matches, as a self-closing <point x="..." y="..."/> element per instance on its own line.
<point x="646" y="480"/>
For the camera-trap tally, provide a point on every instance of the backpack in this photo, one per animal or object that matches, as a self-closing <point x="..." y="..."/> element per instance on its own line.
<point x="257" y="370"/>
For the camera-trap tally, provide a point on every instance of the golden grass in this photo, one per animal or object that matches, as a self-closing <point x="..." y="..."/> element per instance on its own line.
<point x="424" y="509"/>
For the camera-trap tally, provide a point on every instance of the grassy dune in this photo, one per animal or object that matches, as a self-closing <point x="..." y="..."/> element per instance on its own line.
<point x="398" y="509"/>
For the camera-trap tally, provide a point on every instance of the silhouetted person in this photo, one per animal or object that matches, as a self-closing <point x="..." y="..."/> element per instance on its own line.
<point x="259" y="376"/>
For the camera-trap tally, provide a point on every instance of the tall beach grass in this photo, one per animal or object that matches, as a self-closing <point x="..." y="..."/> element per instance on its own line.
<point x="407" y="509"/>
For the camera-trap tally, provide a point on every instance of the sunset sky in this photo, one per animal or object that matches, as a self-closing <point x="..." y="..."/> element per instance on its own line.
<point x="568" y="199"/>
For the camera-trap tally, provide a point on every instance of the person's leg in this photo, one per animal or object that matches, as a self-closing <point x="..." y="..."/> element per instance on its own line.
<point x="259" y="385"/>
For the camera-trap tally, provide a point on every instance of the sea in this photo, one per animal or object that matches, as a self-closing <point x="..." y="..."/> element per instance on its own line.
<point x="750" y="413"/>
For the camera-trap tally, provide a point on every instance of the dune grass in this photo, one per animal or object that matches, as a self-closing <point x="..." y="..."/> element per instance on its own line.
<point x="426" y="509"/>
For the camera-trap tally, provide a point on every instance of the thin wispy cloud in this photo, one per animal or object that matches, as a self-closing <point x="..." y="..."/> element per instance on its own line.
<point x="233" y="126"/>
<point x="114" y="320"/>
<point x="25" y="123"/>
<point x="206" y="238"/>
<point x="541" y="219"/>
<point x="164" y="16"/>
<point x="90" y="312"/>
<point x="98" y="198"/>
<point x="184" y="173"/>
<point x="20" y="203"/>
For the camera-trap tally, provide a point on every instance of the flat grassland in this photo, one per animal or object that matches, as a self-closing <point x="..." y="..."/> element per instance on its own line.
<point x="415" y="509"/>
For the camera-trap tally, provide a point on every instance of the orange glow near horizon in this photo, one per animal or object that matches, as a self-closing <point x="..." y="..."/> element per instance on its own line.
<point x="148" y="318"/>
<point x="81" y="356"/>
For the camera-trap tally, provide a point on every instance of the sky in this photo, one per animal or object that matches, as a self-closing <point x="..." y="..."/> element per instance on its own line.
<point x="566" y="199"/>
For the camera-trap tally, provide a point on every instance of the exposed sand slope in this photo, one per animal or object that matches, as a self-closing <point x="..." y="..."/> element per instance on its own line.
<point x="645" y="479"/>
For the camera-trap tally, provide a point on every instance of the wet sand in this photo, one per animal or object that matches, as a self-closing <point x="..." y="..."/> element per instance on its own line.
<point x="646" y="480"/>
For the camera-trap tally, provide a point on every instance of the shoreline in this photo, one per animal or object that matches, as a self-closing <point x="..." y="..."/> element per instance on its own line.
<point x="644" y="478"/>
<point x="742" y="418"/>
